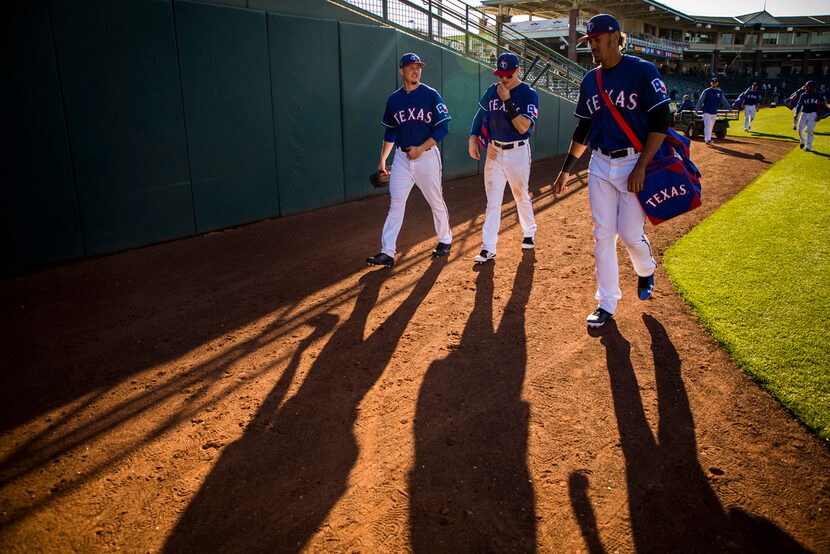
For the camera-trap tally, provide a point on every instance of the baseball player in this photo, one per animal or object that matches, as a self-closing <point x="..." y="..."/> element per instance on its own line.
<point x="811" y="102"/>
<point x="710" y="99"/>
<point x="416" y="119"/>
<point x="617" y="171"/>
<point x="750" y="98"/>
<point x="793" y="101"/>
<point x="511" y="107"/>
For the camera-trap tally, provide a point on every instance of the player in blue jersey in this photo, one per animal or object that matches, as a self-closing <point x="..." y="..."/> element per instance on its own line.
<point x="751" y="100"/>
<point x="710" y="100"/>
<point x="511" y="109"/>
<point x="617" y="170"/>
<point x="416" y="119"/>
<point x="812" y="102"/>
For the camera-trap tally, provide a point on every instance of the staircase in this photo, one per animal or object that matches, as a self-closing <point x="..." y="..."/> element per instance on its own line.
<point x="457" y="26"/>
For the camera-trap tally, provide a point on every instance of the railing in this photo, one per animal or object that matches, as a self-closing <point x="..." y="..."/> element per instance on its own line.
<point x="462" y="28"/>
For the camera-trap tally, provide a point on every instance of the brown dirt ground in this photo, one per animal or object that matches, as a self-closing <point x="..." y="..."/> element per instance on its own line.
<point x="260" y="389"/>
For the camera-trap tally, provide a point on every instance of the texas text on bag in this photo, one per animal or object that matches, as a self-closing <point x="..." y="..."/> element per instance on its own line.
<point x="672" y="184"/>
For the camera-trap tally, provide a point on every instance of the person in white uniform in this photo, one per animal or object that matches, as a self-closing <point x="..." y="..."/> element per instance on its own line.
<point x="416" y="119"/>
<point x="617" y="170"/>
<point x="506" y="118"/>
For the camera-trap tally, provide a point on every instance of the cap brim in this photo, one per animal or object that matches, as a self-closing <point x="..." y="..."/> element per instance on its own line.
<point x="505" y="72"/>
<point x="422" y="64"/>
<point x="586" y="38"/>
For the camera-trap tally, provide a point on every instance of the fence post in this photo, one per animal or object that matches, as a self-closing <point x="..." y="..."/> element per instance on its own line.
<point x="467" y="30"/>
<point x="429" y="20"/>
<point x="386" y="10"/>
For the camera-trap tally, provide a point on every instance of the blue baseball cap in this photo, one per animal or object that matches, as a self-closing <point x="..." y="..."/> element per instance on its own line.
<point x="506" y="65"/>
<point x="811" y="83"/>
<point x="600" y="24"/>
<point x="714" y="80"/>
<point x="410" y="58"/>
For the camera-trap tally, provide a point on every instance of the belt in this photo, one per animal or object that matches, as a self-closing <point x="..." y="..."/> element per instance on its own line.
<point x="408" y="148"/>
<point x="508" y="145"/>
<point x="621" y="153"/>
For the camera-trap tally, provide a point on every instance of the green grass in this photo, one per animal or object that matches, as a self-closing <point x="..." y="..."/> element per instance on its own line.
<point x="757" y="273"/>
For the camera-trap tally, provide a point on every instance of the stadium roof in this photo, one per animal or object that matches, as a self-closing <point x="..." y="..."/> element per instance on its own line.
<point x="648" y="9"/>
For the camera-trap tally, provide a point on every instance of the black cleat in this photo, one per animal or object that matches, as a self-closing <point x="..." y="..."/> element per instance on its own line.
<point x="443" y="249"/>
<point x="381" y="259"/>
<point x="645" y="285"/>
<point x="598" y="318"/>
<point x="528" y="244"/>
<point x="484" y="256"/>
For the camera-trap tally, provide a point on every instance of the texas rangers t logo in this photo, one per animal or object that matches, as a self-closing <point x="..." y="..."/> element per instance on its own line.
<point x="659" y="86"/>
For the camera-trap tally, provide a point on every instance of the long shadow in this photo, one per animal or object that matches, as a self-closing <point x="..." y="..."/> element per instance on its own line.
<point x="134" y="323"/>
<point x="737" y="154"/>
<point x="271" y="490"/>
<point x="756" y="134"/>
<point x="671" y="503"/>
<point x="470" y="487"/>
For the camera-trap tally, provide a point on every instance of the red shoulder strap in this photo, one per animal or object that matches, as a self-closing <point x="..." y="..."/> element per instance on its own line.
<point x="638" y="146"/>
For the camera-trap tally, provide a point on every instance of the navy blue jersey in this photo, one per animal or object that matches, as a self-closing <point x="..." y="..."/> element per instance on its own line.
<point x="635" y="88"/>
<point x="411" y="117"/>
<point x="810" y="102"/>
<point x="751" y="97"/>
<point x="686" y="105"/>
<point x="711" y="99"/>
<point x="500" y="126"/>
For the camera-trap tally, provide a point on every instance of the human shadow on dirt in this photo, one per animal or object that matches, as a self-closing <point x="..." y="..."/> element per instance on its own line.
<point x="737" y="154"/>
<point x="672" y="505"/>
<point x="271" y="490"/>
<point x="470" y="487"/>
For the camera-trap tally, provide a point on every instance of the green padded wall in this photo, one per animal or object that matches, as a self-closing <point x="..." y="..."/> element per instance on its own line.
<point x="118" y="66"/>
<point x="545" y="135"/>
<point x="368" y="66"/>
<point x="223" y="54"/>
<point x="461" y="94"/>
<point x="318" y="9"/>
<point x="306" y="99"/>
<point x="567" y="124"/>
<point x="40" y="219"/>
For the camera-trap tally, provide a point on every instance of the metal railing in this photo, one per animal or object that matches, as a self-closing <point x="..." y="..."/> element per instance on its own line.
<point x="474" y="34"/>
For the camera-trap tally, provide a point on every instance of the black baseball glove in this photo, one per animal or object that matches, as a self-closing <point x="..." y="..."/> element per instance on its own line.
<point x="379" y="180"/>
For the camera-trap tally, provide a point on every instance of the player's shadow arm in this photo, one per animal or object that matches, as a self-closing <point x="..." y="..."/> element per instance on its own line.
<point x="271" y="490"/>
<point x="470" y="487"/>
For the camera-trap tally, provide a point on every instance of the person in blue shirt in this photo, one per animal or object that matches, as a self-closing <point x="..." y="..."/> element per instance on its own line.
<point x="510" y="108"/>
<point x="710" y="99"/>
<point x="812" y="102"/>
<point x="416" y="119"/>
<point x="617" y="169"/>
<point x="751" y="100"/>
<point x="686" y="104"/>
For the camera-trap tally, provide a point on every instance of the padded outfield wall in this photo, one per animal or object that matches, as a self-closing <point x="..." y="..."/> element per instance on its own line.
<point x="132" y="122"/>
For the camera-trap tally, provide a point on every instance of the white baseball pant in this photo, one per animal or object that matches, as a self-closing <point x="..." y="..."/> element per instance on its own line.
<point x="808" y="123"/>
<point x="708" y="125"/>
<point x="502" y="167"/>
<point x="749" y="115"/>
<point x="425" y="172"/>
<point x="616" y="213"/>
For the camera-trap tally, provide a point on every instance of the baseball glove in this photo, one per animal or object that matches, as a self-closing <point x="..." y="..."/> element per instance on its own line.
<point x="379" y="180"/>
